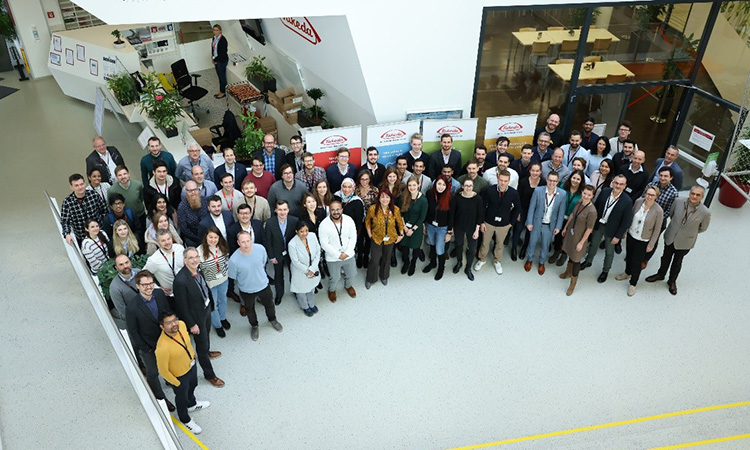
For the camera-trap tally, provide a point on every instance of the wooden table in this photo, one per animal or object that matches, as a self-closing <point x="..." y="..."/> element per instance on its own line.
<point x="555" y="37"/>
<point x="600" y="70"/>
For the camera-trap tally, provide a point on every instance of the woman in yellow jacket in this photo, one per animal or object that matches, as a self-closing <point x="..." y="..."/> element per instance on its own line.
<point x="385" y="227"/>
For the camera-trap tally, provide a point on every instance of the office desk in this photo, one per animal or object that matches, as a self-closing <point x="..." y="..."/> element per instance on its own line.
<point x="599" y="72"/>
<point x="558" y="36"/>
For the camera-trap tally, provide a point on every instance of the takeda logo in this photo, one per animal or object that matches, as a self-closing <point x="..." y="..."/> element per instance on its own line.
<point x="393" y="134"/>
<point x="336" y="139"/>
<point x="450" y="129"/>
<point x="510" y="127"/>
<point x="303" y="28"/>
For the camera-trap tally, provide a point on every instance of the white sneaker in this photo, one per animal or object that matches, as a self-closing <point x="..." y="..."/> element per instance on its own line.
<point x="631" y="290"/>
<point x="199" y="404"/>
<point x="622" y="277"/>
<point x="498" y="268"/>
<point x="193" y="427"/>
<point x="479" y="264"/>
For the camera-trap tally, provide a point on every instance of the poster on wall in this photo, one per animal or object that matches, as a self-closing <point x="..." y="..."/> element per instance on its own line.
<point x="519" y="129"/>
<point x="69" y="56"/>
<point x="701" y="138"/>
<point x="54" y="58"/>
<point x="80" y="53"/>
<point x="109" y="67"/>
<point x="435" y="114"/>
<point x="94" y="67"/>
<point x="391" y="139"/>
<point x="56" y="43"/>
<point x="325" y="143"/>
<point x="463" y="131"/>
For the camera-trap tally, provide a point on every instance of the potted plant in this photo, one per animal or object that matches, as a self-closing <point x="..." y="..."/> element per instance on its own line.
<point x="260" y="75"/>
<point x="161" y="106"/>
<point x="643" y="17"/>
<point x="123" y="87"/>
<point x="314" y="115"/>
<point x="251" y="138"/>
<point x="119" y="43"/>
<point x="738" y="168"/>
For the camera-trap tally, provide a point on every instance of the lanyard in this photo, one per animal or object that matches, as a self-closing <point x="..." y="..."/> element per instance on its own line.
<point x="610" y="204"/>
<point x="500" y="193"/>
<point x="102" y="248"/>
<point x="182" y="344"/>
<point x="578" y="212"/>
<point x="687" y="216"/>
<point x="227" y="200"/>
<point x="309" y="255"/>
<point x="549" y="202"/>
<point x="252" y="214"/>
<point x="101" y="192"/>
<point x="571" y="155"/>
<point x="199" y="281"/>
<point x="339" y="230"/>
<point x="216" y="260"/>
<point x="171" y="266"/>
<point x="158" y="189"/>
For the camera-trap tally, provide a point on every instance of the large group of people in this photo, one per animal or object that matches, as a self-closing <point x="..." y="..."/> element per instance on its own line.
<point x="213" y="233"/>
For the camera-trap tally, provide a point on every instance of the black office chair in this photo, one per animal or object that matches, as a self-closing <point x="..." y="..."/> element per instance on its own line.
<point x="185" y="85"/>
<point x="227" y="133"/>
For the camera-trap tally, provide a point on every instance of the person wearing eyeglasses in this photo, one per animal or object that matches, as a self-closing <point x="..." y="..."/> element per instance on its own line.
<point x="190" y="213"/>
<point x="689" y="218"/>
<point x="338" y="239"/>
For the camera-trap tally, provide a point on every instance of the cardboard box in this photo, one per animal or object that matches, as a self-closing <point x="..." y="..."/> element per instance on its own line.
<point x="285" y="100"/>
<point x="267" y="124"/>
<point x="291" y="119"/>
<point x="203" y="136"/>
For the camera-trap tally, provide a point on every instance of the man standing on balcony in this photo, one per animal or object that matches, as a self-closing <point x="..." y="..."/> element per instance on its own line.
<point x="220" y="58"/>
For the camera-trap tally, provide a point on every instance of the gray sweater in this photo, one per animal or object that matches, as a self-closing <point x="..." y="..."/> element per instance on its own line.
<point x="121" y="292"/>
<point x="293" y="196"/>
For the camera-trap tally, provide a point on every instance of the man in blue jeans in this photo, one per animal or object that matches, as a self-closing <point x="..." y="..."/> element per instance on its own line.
<point x="220" y="58"/>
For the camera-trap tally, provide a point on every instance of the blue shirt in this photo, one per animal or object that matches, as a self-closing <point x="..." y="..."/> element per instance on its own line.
<point x="151" y="304"/>
<point x="270" y="160"/>
<point x="249" y="271"/>
<point x="282" y="226"/>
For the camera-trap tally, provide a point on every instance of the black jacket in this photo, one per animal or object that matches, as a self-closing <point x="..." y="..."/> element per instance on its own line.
<point x="95" y="161"/>
<point x="234" y="230"/>
<point x="436" y="163"/>
<point x="619" y="218"/>
<point x="240" y="172"/>
<point x="221" y="51"/>
<point x="189" y="302"/>
<point x="276" y="244"/>
<point x="143" y="329"/>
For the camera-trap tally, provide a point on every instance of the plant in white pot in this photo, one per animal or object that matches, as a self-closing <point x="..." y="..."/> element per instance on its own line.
<point x="119" y="43"/>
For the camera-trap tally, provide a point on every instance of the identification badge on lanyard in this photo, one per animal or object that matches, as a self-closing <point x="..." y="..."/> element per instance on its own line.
<point x="386" y="239"/>
<point x="219" y="275"/>
<point x="435" y="224"/>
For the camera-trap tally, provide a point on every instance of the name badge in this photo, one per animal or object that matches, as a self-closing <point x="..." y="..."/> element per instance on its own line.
<point x="283" y="253"/>
<point x="386" y="239"/>
<point x="408" y="225"/>
<point x="498" y="219"/>
<point x="628" y="190"/>
<point x="192" y="363"/>
<point x="435" y="224"/>
<point x="602" y="221"/>
<point x="219" y="276"/>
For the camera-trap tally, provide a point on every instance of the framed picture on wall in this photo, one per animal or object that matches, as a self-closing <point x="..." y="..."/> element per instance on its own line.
<point x="69" y="56"/>
<point x="54" y="58"/>
<point x="80" y="53"/>
<point x="57" y="43"/>
<point x="94" y="67"/>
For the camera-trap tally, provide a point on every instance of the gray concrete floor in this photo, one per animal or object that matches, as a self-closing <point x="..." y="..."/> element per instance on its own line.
<point x="418" y="364"/>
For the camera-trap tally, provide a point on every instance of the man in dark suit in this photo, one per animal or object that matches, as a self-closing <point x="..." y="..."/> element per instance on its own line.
<point x="294" y="158"/>
<point x="105" y="158"/>
<point x="279" y="231"/>
<point x="142" y="319"/>
<point x="336" y="173"/>
<point x="217" y="217"/>
<point x="194" y="304"/>
<point x="161" y="183"/>
<point x="238" y="170"/>
<point x="245" y="222"/>
<point x="271" y="155"/>
<point x="670" y="160"/>
<point x="220" y="58"/>
<point x="614" y="210"/>
<point x="377" y="170"/>
<point x="447" y="156"/>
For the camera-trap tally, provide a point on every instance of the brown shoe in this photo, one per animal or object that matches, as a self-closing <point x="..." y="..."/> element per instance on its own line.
<point x="332" y="296"/>
<point x="233" y="296"/>
<point x="243" y="311"/>
<point x="170" y="406"/>
<point x="214" y="355"/>
<point x="672" y="287"/>
<point x="527" y="266"/>
<point x="541" y="269"/>
<point x="653" y="278"/>
<point x="644" y="264"/>
<point x="216" y="381"/>
<point x="352" y="293"/>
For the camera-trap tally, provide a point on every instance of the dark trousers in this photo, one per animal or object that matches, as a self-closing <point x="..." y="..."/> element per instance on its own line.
<point x="380" y="262"/>
<point x="152" y="372"/>
<point x="518" y="228"/>
<point x="203" y="345"/>
<point x="656" y="244"/>
<point x="184" y="394"/>
<point x="673" y="256"/>
<point x="221" y="72"/>
<point x="635" y="252"/>
<point x="471" y="245"/>
<point x="278" y="276"/>
<point x="265" y="297"/>
<point x="363" y="245"/>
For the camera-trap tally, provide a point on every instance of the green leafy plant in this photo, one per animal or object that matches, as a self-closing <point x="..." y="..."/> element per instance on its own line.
<point x="579" y="16"/>
<point x="123" y="87"/>
<point x="251" y="138"/>
<point x="107" y="272"/>
<point x="7" y="30"/>
<point x="160" y="105"/>
<point x="315" y="114"/>
<point x="118" y="37"/>
<point x="258" y="69"/>
<point x="316" y="94"/>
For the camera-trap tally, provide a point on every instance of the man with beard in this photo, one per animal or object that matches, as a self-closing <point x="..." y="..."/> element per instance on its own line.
<point x="206" y="189"/>
<point x="190" y="213"/>
<point x="122" y="289"/>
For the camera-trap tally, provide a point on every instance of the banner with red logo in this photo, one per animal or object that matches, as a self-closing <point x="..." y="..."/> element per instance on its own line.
<point x="519" y="129"/>
<point x="325" y="143"/>
<point x="391" y="139"/>
<point x="463" y="132"/>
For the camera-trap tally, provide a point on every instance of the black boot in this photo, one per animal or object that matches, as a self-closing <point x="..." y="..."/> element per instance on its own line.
<point x="469" y="263"/>
<point x="441" y="267"/>
<point x="457" y="267"/>
<point x="394" y="259"/>
<point x="433" y="261"/>
<point x="513" y="253"/>
<point x="325" y="271"/>
<point x="405" y="267"/>
<point x="524" y="247"/>
<point x="413" y="262"/>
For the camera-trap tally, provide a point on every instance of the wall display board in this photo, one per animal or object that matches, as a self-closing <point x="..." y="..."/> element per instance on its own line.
<point x="391" y="139"/>
<point x="519" y="129"/>
<point x="435" y="114"/>
<point x="324" y="144"/>
<point x="463" y="131"/>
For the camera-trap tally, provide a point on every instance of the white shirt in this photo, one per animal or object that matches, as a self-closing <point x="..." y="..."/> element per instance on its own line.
<point x="107" y="158"/>
<point x="337" y="238"/>
<point x="249" y="229"/>
<point x="219" y="222"/>
<point x="165" y="266"/>
<point x="549" y="200"/>
<point x="617" y="146"/>
<point x="609" y="205"/>
<point x="639" y="220"/>
<point x="491" y="176"/>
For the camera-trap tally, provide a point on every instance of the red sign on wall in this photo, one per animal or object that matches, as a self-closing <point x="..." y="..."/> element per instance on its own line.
<point x="302" y="27"/>
<point x="50" y="14"/>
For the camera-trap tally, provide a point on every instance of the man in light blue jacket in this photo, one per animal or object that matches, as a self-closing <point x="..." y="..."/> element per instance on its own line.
<point x="544" y="219"/>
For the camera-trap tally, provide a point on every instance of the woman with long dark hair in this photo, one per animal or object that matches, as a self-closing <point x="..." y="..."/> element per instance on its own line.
<point x="214" y="256"/>
<point x="573" y="188"/>
<point x="159" y="221"/>
<point x="304" y="254"/>
<point x="439" y="220"/>
<point x="94" y="246"/>
<point x="576" y="234"/>
<point x="322" y="195"/>
<point x="603" y="177"/>
<point x="97" y="185"/>
<point x="161" y="204"/>
<point x="369" y="195"/>
<point x="468" y="215"/>
<point x="413" y="211"/>
<point x="392" y="183"/>
<point x="598" y="153"/>
<point x="385" y="227"/>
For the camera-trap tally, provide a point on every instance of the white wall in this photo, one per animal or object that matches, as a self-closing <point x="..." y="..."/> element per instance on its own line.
<point x="28" y="14"/>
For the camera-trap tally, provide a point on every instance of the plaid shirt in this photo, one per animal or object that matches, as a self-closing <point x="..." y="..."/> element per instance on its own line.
<point x="310" y="180"/>
<point x="666" y="197"/>
<point x="75" y="213"/>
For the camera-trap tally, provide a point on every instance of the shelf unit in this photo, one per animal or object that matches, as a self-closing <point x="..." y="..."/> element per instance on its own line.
<point x="162" y="32"/>
<point x="75" y="17"/>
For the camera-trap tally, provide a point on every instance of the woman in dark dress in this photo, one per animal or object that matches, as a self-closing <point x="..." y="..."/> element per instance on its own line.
<point x="467" y="217"/>
<point x="413" y="212"/>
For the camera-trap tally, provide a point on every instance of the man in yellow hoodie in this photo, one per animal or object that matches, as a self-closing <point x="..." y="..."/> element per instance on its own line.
<point x="175" y="357"/>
